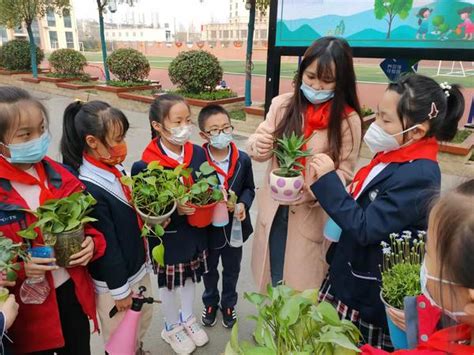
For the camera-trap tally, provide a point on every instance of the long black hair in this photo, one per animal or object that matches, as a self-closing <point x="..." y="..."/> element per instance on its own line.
<point x="82" y="119"/>
<point x="418" y="95"/>
<point x="421" y="13"/>
<point x="328" y="52"/>
<point x="160" y="108"/>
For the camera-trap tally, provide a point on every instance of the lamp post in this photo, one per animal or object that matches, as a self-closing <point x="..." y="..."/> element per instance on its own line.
<point x="249" y="5"/>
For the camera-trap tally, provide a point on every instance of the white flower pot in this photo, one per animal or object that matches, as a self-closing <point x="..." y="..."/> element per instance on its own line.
<point x="285" y="189"/>
<point x="154" y="220"/>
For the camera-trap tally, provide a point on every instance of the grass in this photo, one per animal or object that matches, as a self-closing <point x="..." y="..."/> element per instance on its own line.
<point x="238" y="115"/>
<point x="364" y="72"/>
<point x="145" y="92"/>
<point x="461" y="136"/>
<point x="124" y="84"/>
<point x="214" y="95"/>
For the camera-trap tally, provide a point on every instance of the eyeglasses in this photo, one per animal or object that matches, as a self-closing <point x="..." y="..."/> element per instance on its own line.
<point x="216" y="131"/>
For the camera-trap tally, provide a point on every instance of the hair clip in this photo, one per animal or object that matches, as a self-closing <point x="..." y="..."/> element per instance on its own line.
<point x="78" y="100"/>
<point x="446" y="87"/>
<point x="434" y="111"/>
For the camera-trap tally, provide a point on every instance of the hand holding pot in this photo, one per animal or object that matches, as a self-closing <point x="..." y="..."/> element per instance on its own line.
<point x="306" y="196"/>
<point x="37" y="267"/>
<point x="264" y="144"/>
<point x="184" y="210"/>
<point x="321" y="165"/>
<point x="85" y="255"/>
<point x="124" y="304"/>
<point x="4" y="282"/>
<point x="9" y="310"/>
<point x="398" y="317"/>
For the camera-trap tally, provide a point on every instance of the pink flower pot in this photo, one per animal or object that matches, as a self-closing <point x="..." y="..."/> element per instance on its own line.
<point x="285" y="189"/>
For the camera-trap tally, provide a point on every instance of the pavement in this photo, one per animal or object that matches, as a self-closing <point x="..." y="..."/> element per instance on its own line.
<point x="137" y="138"/>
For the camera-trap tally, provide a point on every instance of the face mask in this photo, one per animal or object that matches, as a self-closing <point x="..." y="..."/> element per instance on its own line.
<point x="380" y="141"/>
<point x="424" y="277"/>
<point x="29" y="152"/>
<point x="117" y="153"/>
<point x="221" y="141"/>
<point x="180" y="135"/>
<point x="316" y="96"/>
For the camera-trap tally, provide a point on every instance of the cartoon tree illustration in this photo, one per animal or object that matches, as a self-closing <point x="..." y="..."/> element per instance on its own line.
<point x="437" y="22"/>
<point x="389" y="9"/>
<point x="340" y="29"/>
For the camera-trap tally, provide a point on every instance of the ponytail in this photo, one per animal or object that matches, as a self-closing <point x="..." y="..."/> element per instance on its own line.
<point x="72" y="146"/>
<point x="448" y="126"/>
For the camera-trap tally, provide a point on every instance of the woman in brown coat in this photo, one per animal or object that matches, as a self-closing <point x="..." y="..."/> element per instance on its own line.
<point x="289" y="245"/>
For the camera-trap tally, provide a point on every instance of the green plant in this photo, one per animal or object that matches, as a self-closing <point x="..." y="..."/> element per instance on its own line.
<point x="210" y="96"/>
<point x="67" y="61"/>
<point x="16" y="55"/>
<point x="238" y="115"/>
<point x="461" y="136"/>
<point x="10" y="254"/>
<point x="195" y="71"/>
<point x="126" y="84"/>
<point x="206" y="189"/>
<point x="2" y="61"/>
<point x="289" y="152"/>
<point x="128" y="64"/>
<point x="61" y="215"/>
<point x="366" y="111"/>
<point x="291" y="322"/>
<point x="401" y="267"/>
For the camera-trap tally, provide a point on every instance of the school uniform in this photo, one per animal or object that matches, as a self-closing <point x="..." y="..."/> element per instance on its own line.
<point x="387" y="197"/>
<point x="123" y="268"/>
<point x="234" y="173"/>
<point x="185" y="245"/>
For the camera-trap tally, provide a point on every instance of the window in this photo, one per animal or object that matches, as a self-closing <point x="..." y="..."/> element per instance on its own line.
<point x="213" y="35"/>
<point x="3" y="35"/>
<point x="243" y="34"/>
<point x="141" y="34"/>
<point x="51" y="18"/>
<point x="263" y="34"/>
<point x="53" y="39"/>
<point x="36" y="34"/>
<point x="113" y="34"/>
<point x="126" y="34"/>
<point x="70" y="40"/>
<point x="225" y="34"/>
<point x="67" y="18"/>
<point x="120" y="34"/>
<point x="168" y="35"/>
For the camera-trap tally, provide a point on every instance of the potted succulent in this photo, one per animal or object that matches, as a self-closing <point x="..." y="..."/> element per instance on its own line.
<point x="287" y="181"/>
<point x="401" y="277"/>
<point x="292" y="322"/>
<point x="203" y="196"/>
<point x="10" y="254"/>
<point x="61" y="222"/>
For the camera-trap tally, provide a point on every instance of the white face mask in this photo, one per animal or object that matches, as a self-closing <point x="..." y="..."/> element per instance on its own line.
<point x="380" y="141"/>
<point x="180" y="135"/>
<point x="424" y="277"/>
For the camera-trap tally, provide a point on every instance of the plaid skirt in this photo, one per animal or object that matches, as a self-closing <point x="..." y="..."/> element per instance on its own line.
<point x="172" y="276"/>
<point x="376" y="336"/>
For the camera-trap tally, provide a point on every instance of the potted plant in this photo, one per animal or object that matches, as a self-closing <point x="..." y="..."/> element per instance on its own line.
<point x="203" y="196"/>
<point x="287" y="181"/>
<point x="292" y="322"/>
<point x="10" y="254"/>
<point x="401" y="277"/>
<point x="61" y="222"/>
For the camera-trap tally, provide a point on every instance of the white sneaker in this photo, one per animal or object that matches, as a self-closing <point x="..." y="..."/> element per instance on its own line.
<point x="195" y="332"/>
<point x="179" y="340"/>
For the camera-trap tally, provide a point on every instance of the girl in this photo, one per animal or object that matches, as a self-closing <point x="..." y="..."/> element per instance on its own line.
<point x="446" y="277"/>
<point x="94" y="143"/>
<point x="288" y="243"/>
<point x="27" y="179"/>
<point x="423" y="16"/>
<point x="465" y="14"/>
<point x="387" y="196"/>
<point x="185" y="246"/>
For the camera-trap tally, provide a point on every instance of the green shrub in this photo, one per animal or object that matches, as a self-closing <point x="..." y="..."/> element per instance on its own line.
<point x="126" y="84"/>
<point x="214" y="95"/>
<point x="16" y="55"/>
<point x="128" y="64"/>
<point x="195" y="71"/>
<point x="67" y="61"/>
<point x="238" y="115"/>
<point x="2" y="65"/>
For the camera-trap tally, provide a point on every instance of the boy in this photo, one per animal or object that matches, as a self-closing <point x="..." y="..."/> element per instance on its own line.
<point x="234" y="170"/>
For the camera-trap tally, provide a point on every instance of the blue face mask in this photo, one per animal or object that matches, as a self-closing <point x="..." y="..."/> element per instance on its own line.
<point x="29" y="152"/>
<point x="316" y="96"/>
<point x="221" y="141"/>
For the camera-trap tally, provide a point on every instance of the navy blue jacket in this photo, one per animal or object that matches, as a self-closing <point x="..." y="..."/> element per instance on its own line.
<point x="182" y="242"/>
<point x="243" y="185"/>
<point x="397" y="199"/>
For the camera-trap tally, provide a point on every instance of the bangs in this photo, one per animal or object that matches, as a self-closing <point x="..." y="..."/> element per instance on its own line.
<point x="326" y="68"/>
<point x="116" y="121"/>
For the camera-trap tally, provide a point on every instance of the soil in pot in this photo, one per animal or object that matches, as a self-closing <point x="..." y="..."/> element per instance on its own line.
<point x="203" y="215"/>
<point x="67" y="244"/>
<point x="285" y="189"/>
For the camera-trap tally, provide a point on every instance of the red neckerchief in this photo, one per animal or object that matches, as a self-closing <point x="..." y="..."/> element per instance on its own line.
<point x="234" y="156"/>
<point x="423" y="149"/>
<point x="12" y="173"/>
<point x="447" y="340"/>
<point x="154" y="153"/>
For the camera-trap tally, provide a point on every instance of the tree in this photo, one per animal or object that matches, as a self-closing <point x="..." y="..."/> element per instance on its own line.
<point x="437" y="22"/>
<point x="392" y="8"/>
<point x="14" y="13"/>
<point x="101" y="7"/>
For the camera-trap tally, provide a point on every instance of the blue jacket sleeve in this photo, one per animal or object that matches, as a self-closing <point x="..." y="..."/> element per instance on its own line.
<point x="402" y="204"/>
<point x="248" y="193"/>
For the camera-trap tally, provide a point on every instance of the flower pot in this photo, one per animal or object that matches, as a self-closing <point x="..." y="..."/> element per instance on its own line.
<point x="66" y="244"/>
<point x="332" y="231"/>
<point x="4" y="293"/>
<point x="397" y="335"/>
<point x="285" y="189"/>
<point x="220" y="218"/>
<point x="203" y="215"/>
<point x="154" y="220"/>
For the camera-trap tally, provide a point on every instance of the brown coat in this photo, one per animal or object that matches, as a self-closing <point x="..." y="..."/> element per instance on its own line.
<point x="305" y="265"/>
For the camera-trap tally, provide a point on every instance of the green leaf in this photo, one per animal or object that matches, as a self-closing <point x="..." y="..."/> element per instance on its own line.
<point x="206" y="168"/>
<point x="291" y="310"/>
<point x="340" y="339"/>
<point x="234" y="337"/>
<point x="255" y="298"/>
<point x="159" y="230"/>
<point x="27" y="234"/>
<point x="329" y="313"/>
<point x="127" y="180"/>
<point x="258" y="350"/>
<point x="158" y="254"/>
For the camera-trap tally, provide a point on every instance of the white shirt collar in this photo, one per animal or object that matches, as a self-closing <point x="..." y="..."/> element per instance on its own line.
<point x="223" y="161"/>
<point x="178" y="157"/>
<point x="90" y="170"/>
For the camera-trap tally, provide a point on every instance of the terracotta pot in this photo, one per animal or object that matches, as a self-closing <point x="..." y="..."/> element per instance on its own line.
<point x="203" y="215"/>
<point x="285" y="189"/>
<point x="154" y="220"/>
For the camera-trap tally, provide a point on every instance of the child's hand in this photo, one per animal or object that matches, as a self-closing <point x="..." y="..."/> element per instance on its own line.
<point x="124" y="304"/>
<point x="85" y="255"/>
<point x="398" y="317"/>
<point x="184" y="210"/>
<point x="230" y="206"/>
<point x="321" y="165"/>
<point x="9" y="310"/>
<point x="37" y="267"/>
<point x="264" y="144"/>
<point x="240" y="213"/>
<point x="4" y="282"/>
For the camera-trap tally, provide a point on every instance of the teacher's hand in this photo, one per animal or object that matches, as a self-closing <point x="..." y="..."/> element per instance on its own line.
<point x="321" y="164"/>
<point x="264" y="144"/>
